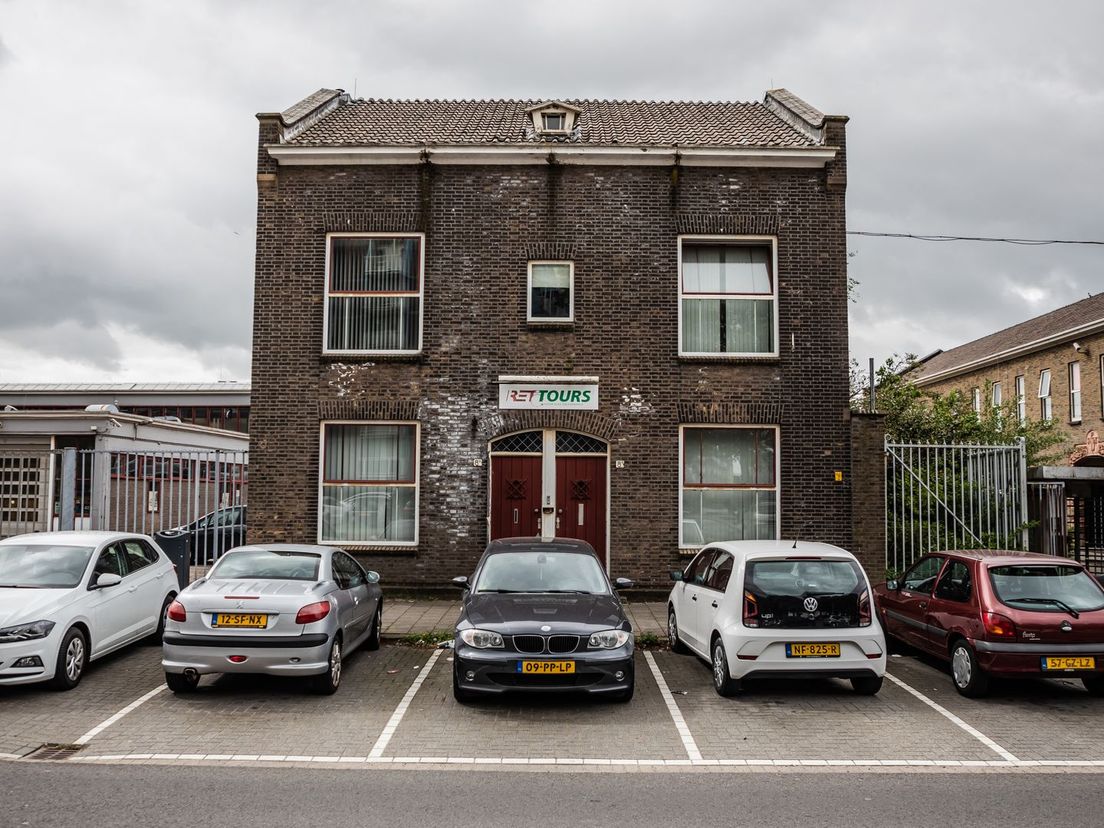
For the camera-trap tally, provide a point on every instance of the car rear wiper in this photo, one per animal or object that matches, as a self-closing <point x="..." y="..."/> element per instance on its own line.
<point x="1064" y="606"/>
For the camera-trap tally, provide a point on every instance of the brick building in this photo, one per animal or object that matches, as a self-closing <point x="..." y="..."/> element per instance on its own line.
<point x="619" y="321"/>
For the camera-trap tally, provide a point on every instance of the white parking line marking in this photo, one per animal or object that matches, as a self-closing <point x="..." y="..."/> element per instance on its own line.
<point x="676" y="714"/>
<point x="106" y="723"/>
<point x="9" y="756"/>
<point x="973" y="731"/>
<point x="396" y="717"/>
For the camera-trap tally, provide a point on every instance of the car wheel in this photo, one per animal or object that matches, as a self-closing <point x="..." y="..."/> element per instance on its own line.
<point x="969" y="679"/>
<point x="673" y="634"/>
<point x="182" y="682"/>
<point x="723" y="682"/>
<point x="867" y="685"/>
<point x="71" y="660"/>
<point x="159" y="634"/>
<point x="1094" y="684"/>
<point x="459" y="693"/>
<point x="373" y="642"/>
<point x="326" y="683"/>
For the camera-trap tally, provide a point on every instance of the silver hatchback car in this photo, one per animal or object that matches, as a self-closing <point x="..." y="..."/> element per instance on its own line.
<point x="277" y="609"/>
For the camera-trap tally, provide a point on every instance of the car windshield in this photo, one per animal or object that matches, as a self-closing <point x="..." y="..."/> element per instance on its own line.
<point x="43" y="566"/>
<point x="542" y="572"/>
<point x="803" y="577"/>
<point x="1047" y="588"/>
<point x="267" y="563"/>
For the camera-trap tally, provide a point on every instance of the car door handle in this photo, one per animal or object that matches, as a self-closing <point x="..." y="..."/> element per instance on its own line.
<point x="693" y="597"/>
<point x="923" y="605"/>
<point x="714" y="605"/>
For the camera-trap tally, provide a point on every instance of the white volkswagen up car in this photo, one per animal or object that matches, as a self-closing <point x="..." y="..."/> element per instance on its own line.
<point x="777" y="609"/>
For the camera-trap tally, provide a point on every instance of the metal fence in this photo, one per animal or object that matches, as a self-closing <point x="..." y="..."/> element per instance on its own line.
<point x="202" y="493"/>
<point x="954" y="496"/>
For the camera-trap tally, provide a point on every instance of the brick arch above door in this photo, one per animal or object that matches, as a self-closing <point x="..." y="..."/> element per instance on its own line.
<point x="585" y="422"/>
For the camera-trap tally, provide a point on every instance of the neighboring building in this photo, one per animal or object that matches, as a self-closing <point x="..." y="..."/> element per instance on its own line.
<point x="215" y="404"/>
<point x="619" y="321"/>
<point x="1051" y="368"/>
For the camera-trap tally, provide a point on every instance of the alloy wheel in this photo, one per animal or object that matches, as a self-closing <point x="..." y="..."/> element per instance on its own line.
<point x="719" y="666"/>
<point x="672" y="627"/>
<point x="335" y="664"/>
<point x="74" y="658"/>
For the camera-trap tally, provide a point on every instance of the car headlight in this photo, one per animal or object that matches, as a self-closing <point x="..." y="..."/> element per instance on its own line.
<point x="26" y="632"/>
<point x="481" y="639"/>
<point x="609" y="639"/>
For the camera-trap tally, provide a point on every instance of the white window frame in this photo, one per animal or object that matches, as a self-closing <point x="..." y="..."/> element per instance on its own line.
<point x="748" y="241"/>
<point x="997" y="395"/>
<point x="1021" y="398"/>
<point x="1046" y="405"/>
<point x="420" y="293"/>
<point x="346" y="544"/>
<point x="777" y="488"/>
<point x="976" y="394"/>
<point x="1073" y="374"/>
<point x="550" y="320"/>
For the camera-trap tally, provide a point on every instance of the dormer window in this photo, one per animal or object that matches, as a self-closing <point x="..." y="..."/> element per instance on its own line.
<point x="553" y="118"/>
<point x="553" y="121"/>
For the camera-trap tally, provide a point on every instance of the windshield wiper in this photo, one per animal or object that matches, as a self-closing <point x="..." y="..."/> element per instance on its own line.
<point x="572" y="592"/>
<point x="499" y="591"/>
<point x="1062" y="605"/>
<point x="21" y="586"/>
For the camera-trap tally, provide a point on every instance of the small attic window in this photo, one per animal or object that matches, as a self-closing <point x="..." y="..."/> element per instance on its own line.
<point x="553" y="121"/>
<point x="554" y="118"/>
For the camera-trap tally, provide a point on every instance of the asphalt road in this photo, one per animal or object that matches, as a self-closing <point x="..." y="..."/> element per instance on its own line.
<point x="59" y="795"/>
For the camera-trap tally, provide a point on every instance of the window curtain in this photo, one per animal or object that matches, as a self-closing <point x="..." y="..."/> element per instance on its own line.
<point x="365" y="512"/>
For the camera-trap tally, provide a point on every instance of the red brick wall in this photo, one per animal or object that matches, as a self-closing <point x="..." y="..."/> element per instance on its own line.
<point x="620" y="225"/>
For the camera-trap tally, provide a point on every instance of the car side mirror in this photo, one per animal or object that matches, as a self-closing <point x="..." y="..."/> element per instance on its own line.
<point x="623" y="583"/>
<point x="372" y="577"/>
<point x="460" y="581"/>
<point x="676" y="574"/>
<point x="107" y="579"/>
<point x="892" y="586"/>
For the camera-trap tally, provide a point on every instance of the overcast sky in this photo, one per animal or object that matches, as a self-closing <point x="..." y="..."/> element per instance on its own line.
<point x="127" y="149"/>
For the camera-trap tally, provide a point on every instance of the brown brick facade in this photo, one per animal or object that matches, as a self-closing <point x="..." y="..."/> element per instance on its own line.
<point x="620" y="226"/>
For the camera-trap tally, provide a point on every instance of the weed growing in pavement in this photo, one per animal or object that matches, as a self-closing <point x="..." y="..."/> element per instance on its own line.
<point x="425" y="639"/>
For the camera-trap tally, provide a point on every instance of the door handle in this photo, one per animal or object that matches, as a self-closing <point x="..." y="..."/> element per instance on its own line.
<point x="515" y="517"/>
<point x="714" y="605"/>
<point x="693" y="597"/>
<point x="923" y="605"/>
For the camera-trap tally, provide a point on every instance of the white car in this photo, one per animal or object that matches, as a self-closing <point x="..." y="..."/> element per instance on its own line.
<point x="67" y="598"/>
<point x="778" y="609"/>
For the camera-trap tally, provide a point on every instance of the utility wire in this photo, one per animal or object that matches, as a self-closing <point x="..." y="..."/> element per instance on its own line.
<point x="1029" y="242"/>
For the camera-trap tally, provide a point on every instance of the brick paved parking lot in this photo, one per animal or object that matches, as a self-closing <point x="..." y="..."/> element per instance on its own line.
<point x="395" y="708"/>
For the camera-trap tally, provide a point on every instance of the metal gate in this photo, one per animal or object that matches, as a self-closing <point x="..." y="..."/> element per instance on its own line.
<point x="954" y="496"/>
<point x="203" y="493"/>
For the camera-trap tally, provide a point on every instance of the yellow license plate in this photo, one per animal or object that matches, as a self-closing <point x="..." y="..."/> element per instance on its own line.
<point x="818" y="650"/>
<point x="1069" y="663"/>
<point x="237" y="619"/>
<point x="545" y="668"/>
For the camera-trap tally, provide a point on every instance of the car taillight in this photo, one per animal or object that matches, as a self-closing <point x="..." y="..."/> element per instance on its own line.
<point x="998" y="626"/>
<point x="313" y="612"/>
<point x="177" y="612"/>
<point x="864" y="609"/>
<point x="751" y="610"/>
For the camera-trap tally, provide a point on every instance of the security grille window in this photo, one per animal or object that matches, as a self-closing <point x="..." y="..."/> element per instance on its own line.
<point x="568" y="442"/>
<point x="729" y="485"/>
<point x="527" y="442"/>
<point x="374" y="294"/>
<point x="1044" y="394"/>
<point x="727" y="301"/>
<point x="369" y="483"/>
<point x="1075" y="392"/>
<point x="1021" y="400"/>
<point x="551" y="292"/>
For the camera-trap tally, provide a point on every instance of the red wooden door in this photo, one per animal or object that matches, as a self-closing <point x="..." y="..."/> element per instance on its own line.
<point x="515" y="496"/>
<point x="581" y="501"/>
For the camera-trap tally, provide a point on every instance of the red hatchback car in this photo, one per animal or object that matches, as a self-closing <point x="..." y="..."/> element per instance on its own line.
<point x="1000" y="613"/>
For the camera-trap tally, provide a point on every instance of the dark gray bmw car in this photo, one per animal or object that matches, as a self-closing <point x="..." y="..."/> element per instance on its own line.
<point x="541" y="614"/>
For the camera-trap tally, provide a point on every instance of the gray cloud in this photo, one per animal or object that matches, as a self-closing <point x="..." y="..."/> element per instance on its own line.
<point x="129" y="194"/>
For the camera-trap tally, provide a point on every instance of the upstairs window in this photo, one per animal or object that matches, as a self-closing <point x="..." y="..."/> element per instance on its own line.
<point x="553" y="121"/>
<point x="551" y="292"/>
<point x="1075" y="392"/>
<point x="374" y="294"/>
<point x="1045" y="409"/>
<point x="998" y="401"/>
<point x="1021" y="400"/>
<point x="977" y="400"/>
<point x="727" y="297"/>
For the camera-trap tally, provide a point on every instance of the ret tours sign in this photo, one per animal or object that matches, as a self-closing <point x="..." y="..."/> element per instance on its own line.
<point x="542" y="395"/>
